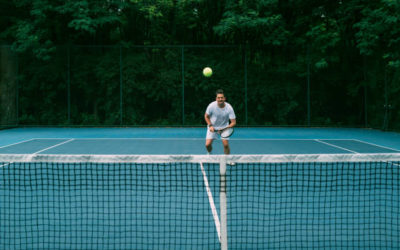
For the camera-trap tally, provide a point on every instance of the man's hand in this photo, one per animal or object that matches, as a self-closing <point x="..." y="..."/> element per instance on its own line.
<point x="211" y="128"/>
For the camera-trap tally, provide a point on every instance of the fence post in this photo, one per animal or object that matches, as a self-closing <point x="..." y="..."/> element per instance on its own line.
<point x="308" y="88"/>
<point x="120" y="87"/>
<point x="69" y="84"/>
<point x="245" y="84"/>
<point x="183" y="82"/>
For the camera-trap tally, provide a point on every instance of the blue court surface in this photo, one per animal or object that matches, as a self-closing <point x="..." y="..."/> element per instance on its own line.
<point x="177" y="206"/>
<point x="186" y="141"/>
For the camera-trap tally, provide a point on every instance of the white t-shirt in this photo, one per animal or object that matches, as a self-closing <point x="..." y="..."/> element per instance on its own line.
<point x="220" y="116"/>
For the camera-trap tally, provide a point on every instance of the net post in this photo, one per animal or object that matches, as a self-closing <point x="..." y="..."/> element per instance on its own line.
<point x="223" y="205"/>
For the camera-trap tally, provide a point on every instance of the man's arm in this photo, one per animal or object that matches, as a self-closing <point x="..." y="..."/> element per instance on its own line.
<point x="233" y="123"/>
<point x="208" y="121"/>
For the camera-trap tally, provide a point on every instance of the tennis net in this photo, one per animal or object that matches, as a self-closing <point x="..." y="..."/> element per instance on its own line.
<point x="199" y="202"/>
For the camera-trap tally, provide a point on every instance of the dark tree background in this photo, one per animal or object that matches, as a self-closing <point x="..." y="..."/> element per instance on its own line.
<point x="120" y="62"/>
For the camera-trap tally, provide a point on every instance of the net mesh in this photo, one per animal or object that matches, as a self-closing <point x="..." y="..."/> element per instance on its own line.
<point x="104" y="206"/>
<point x="148" y="202"/>
<point x="314" y="205"/>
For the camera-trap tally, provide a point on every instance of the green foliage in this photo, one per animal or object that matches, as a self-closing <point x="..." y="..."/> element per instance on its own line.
<point x="379" y="31"/>
<point x="253" y="22"/>
<point x="348" y="51"/>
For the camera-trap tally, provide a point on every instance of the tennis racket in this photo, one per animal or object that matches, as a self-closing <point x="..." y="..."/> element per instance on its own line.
<point x="226" y="132"/>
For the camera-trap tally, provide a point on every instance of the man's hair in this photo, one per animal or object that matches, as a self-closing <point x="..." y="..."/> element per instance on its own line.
<point x="219" y="91"/>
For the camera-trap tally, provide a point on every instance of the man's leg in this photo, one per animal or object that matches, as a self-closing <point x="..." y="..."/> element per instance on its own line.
<point x="209" y="145"/>
<point x="227" y="150"/>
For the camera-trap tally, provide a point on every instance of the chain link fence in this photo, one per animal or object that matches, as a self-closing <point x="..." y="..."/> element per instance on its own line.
<point x="164" y="86"/>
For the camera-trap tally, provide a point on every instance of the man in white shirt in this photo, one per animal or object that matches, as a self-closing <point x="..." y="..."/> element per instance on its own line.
<point x="219" y="115"/>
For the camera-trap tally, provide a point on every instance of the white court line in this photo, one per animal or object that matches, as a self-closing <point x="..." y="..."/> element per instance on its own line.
<point x="52" y="146"/>
<point x="16" y="143"/>
<point x="124" y="138"/>
<point x="332" y="145"/>
<point x="194" y="139"/>
<point x="12" y="145"/>
<point x="188" y="138"/>
<point x="376" y="145"/>
<point x="212" y="204"/>
<point x="5" y="164"/>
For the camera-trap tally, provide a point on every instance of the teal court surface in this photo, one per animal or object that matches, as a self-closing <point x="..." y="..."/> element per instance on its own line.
<point x="156" y="188"/>
<point x="188" y="141"/>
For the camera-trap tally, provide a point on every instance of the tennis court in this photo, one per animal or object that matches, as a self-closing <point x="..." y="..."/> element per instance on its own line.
<point x="190" y="141"/>
<point x="104" y="107"/>
<point x="152" y="188"/>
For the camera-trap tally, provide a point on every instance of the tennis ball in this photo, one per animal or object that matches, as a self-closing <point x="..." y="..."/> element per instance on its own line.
<point x="207" y="71"/>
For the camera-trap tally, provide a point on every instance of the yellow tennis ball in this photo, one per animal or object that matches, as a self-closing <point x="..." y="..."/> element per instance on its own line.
<point x="207" y="72"/>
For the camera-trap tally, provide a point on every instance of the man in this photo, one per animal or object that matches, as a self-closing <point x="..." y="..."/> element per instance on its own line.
<point x="219" y="115"/>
